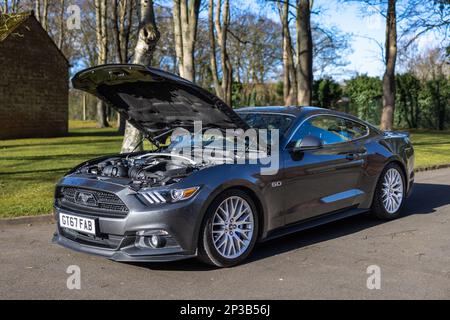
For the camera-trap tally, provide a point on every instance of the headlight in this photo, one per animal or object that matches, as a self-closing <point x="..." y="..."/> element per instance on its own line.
<point x="174" y="195"/>
<point x="183" y="194"/>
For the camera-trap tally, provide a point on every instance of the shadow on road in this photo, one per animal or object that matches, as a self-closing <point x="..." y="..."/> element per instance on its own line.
<point x="425" y="199"/>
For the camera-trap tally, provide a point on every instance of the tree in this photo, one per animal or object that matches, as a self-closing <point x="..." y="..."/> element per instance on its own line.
<point x="289" y="73"/>
<point x="165" y="56"/>
<point x="10" y="6"/>
<point x="219" y="22"/>
<point x="41" y="12"/>
<point x="387" y="115"/>
<point x="148" y="36"/>
<point x="433" y="70"/>
<point x="102" y="49"/>
<point x="298" y="72"/>
<point x="122" y="22"/>
<point x="185" y="19"/>
<point x="424" y="17"/>
<point x="331" y="48"/>
<point x="418" y="17"/>
<point x="304" y="53"/>
<point x="407" y="99"/>
<point x="326" y="93"/>
<point x="365" y="94"/>
<point x="434" y="98"/>
<point x="88" y="36"/>
<point x="61" y="25"/>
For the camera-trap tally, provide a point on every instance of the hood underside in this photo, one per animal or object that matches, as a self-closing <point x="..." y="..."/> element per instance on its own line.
<point x="155" y="101"/>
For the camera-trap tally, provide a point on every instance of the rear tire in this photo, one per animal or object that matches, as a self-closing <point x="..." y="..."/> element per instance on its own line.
<point x="390" y="193"/>
<point x="229" y="230"/>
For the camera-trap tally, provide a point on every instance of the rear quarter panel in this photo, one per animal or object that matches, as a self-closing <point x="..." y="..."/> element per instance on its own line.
<point x="382" y="149"/>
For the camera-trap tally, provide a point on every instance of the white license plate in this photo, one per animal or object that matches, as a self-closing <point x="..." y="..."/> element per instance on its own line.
<point x="77" y="223"/>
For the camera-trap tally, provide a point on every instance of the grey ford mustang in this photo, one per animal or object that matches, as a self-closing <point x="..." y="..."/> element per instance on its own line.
<point x="160" y="205"/>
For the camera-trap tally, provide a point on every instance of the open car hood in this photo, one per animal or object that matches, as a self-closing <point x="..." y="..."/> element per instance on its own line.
<point x="155" y="101"/>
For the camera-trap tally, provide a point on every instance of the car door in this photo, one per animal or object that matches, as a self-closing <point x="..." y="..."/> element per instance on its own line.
<point x="324" y="179"/>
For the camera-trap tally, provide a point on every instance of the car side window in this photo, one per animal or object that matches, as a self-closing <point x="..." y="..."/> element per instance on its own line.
<point x="327" y="128"/>
<point x="355" y="130"/>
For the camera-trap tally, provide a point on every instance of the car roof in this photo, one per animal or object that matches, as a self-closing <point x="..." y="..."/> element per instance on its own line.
<point x="301" y="112"/>
<point x="290" y="110"/>
<point x="296" y="111"/>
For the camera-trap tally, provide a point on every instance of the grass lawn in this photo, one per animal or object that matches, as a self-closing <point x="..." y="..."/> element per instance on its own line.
<point x="431" y="147"/>
<point x="29" y="168"/>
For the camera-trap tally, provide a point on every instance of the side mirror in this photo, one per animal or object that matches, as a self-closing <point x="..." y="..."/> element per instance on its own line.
<point x="309" y="143"/>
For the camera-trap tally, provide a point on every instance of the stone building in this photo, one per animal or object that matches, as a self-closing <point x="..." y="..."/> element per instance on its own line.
<point x="33" y="80"/>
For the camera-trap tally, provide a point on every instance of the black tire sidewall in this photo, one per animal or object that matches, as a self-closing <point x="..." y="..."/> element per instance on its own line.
<point x="208" y="251"/>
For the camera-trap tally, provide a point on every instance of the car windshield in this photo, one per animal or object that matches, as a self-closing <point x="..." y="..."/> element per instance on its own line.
<point x="268" y="120"/>
<point x="255" y="120"/>
<point x="206" y="140"/>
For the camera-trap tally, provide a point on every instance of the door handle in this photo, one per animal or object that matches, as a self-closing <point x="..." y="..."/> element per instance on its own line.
<point x="356" y="155"/>
<point x="361" y="151"/>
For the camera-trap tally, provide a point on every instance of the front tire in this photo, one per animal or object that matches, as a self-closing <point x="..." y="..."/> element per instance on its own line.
<point x="229" y="230"/>
<point x="390" y="193"/>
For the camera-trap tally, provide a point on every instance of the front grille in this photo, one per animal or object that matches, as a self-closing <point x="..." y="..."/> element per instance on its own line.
<point x="92" y="202"/>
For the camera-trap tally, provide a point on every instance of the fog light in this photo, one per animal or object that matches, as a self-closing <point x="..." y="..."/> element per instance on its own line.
<point x="151" y="239"/>
<point x="157" y="241"/>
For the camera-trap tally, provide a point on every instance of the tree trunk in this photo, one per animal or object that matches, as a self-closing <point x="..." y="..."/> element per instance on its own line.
<point x="122" y="21"/>
<point x="37" y="9"/>
<point x="289" y="76"/>
<point x="224" y="89"/>
<point x="285" y="28"/>
<point x="61" y="25"/>
<point x="185" y="19"/>
<point x="441" y="107"/>
<point x="212" y="54"/>
<point x="45" y="16"/>
<point x="387" y="116"/>
<point x="148" y="36"/>
<point x="102" y="48"/>
<point x="304" y="53"/>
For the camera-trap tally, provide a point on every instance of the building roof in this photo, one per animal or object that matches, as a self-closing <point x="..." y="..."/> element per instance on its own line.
<point x="10" y="22"/>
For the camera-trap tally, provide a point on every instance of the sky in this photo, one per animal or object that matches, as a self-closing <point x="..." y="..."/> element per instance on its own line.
<point x="368" y="32"/>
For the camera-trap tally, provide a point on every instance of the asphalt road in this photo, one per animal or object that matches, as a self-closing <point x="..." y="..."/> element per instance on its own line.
<point x="331" y="261"/>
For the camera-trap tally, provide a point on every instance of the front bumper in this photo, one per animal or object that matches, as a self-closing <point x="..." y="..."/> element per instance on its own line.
<point x="116" y="236"/>
<point x="126" y="254"/>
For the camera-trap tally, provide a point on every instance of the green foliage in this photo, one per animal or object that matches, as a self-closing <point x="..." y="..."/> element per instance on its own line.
<point x="365" y="94"/>
<point x="236" y="94"/>
<point x="407" y="106"/>
<point x="419" y="104"/>
<point x="257" y="94"/>
<point x="434" y="99"/>
<point x="326" y="93"/>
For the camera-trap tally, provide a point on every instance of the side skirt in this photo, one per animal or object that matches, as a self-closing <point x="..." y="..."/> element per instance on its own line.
<point x="313" y="222"/>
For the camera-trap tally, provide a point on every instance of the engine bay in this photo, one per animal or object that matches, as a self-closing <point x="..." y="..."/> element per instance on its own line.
<point x="150" y="169"/>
